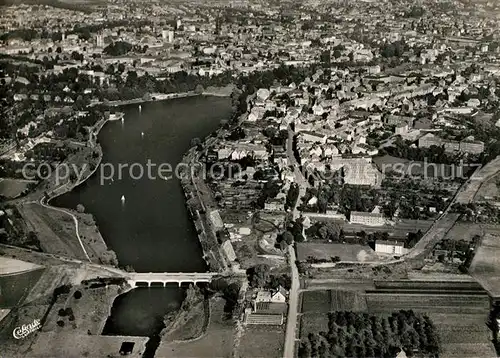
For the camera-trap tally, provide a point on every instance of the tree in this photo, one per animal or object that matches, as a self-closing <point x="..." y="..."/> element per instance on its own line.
<point x="288" y="237"/>
<point x="110" y="69"/>
<point x="80" y="208"/>
<point x="76" y="56"/>
<point x="58" y="49"/>
<point x="77" y="295"/>
<point x="199" y="89"/>
<point x="292" y="196"/>
<point x="298" y="237"/>
<point x="259" y="275"/>
<point x="231" y="294"/>
<point x="305" y="350"/>
<point x="325" y="58"/>
<point x="195" y="142"/>
<point x="118" y="48"/>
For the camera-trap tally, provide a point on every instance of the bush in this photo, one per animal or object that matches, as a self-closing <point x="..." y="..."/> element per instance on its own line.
<point x="60" y="323"/>
<point x="77" y="295"/>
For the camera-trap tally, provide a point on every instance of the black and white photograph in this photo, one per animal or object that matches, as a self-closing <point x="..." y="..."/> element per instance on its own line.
<point x="249" y="178"/>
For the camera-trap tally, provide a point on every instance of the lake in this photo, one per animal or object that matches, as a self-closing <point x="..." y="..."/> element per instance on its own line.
<point x="150" y="229"/>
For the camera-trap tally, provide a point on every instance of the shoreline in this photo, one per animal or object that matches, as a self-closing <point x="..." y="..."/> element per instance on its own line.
<point x="158" y="97"/>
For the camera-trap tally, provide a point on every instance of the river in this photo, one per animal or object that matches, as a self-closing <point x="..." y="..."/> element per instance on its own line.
<point x="150" y="230"/>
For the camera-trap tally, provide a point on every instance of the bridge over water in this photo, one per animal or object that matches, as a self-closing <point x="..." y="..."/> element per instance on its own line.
<point x="136" y="279"/>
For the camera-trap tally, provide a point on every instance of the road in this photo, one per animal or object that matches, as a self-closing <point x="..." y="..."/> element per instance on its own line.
<point x="446" y="221"/>
<point x="293" y="298"/>
<point x="293" y="301"/>
<point x="298" y="175"/>
<point x="75" y="220"/>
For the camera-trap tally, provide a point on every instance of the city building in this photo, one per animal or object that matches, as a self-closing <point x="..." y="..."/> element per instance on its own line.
<point x="392" y="247"/>
<point x="365" y="218"/>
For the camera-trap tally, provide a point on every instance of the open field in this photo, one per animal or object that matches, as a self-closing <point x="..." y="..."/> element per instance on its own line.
<point x="11" y="188"/>
<point x="26" y="314"/>
<point x="14" y="288"/>
<point x="65" y="333"/>
<point x="262" y="341"/>
<point x="463" y="231"/>
<point x="55" y="230"/>
<point x="485" y="266"/>
<point x="84" y="345"/>
<point x="90" y="311"/>
<point x="216" y="342"/>
<point x="489" y="190"/>
<point x="323" y="251"/>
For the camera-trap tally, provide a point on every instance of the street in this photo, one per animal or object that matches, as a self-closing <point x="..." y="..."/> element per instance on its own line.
<point x="293" y="301"/>
<point x="446" y="221"/>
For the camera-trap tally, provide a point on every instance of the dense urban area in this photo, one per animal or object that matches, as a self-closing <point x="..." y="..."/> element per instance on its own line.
<point x="352" y="205"/>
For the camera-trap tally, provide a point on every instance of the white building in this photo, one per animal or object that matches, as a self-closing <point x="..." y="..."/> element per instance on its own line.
<point x="228" y="250"/>
<point x="364" y="218"/>
<point x="216" y="220"/>
<point x="392" y="247"/>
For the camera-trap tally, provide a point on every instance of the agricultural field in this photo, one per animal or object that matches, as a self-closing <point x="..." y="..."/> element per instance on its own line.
<point x="316" y="301"/>
<point x="457" y="308"/>
<point x="464" y="231"/>
<point x="333" y="300"/>
<point x="313" y="322"/>
<point x="463" y="335"/>
<point x="390" y="301"/>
